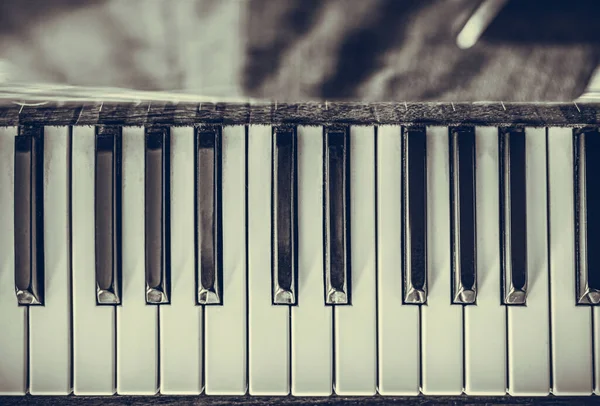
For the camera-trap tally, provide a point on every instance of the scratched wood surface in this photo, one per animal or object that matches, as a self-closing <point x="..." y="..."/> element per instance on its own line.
<point x="180" y="114"/>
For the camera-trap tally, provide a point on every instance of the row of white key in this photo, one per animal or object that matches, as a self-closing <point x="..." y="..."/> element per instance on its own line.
<point x="376" y="344"/>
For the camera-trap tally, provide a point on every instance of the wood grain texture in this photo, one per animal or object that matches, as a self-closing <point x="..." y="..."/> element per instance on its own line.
<point x="185" y="114"/>
<point x="263" y="400"/>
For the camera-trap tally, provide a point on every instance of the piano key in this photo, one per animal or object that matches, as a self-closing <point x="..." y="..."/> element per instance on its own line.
<point x="528" y="326"/>
<point x="312" y="334"/>
<point x="335" y="183"/>
<point x="210" y="243"/>
<point x="137" y="323"/>
<point x="513" y="219"/>
<point x="485" y="323"/>
<point x="587" y="221"/>
<point x="107" y="200"/>
<point x="355" y="326"/>
<point x="50" y="325"/>
<point x="181" y="367"/>
<point x="570" y="324"/>
<point x="13" y="318"/>
<point x="269" y="340"/>
<point x="399" y="354"/>
<point x="226" y="326"/>
<point x="462" y="215"/>
<point x="157" y="231"/>
<point x="442" y="360"/>
<point x="29" y="218"/>
<point x="596" y="344"/>
<point x="284" y="217"/>
<point x="414" y="205"/>
<point x="94" y="363"/>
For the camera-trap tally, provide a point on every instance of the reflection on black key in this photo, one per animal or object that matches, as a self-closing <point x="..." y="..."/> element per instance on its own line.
<point x="337" y="215"/>
<point x="157" y="199"/>
<point x="513" y="218"/>
<point x="108" y="215"/>
<point x="284" y="238"/>
<point x="462" y="214"/>
<point x="414" y="214"/>
<point x="209" y="237"/>
<point x="587" y="216"/>
<point x="29" y="218"/>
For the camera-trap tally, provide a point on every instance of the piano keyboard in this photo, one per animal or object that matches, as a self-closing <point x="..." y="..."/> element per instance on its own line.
<point x="311" y="260"/>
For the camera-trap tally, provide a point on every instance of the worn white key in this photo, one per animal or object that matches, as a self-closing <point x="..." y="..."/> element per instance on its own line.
<point x="355" y="326"/>
<point x="529" y="326"/>
<point x="596" y="334"/>
<point x="571" y="325"/>
<point x="137" y="323"/>
<point x="181" y="354"/>
<point x="399" y="352"/>
<point x="13" y="319"/>
<point x="225" y="326"/>
<point x="312" y="345"/>
<point x="485" y="322"/>
<point x="268" y="324"/>
<point x="93" y="326"/>
<point x="441" y="323"/>
<point x="50" y="325"/>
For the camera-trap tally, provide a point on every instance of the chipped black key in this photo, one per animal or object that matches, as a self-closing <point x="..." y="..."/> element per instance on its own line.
<point x="513" y="216"/>
<point x="414" y="214"/>
<point x="284" y="216"/>
<point x="29" y="217"/>
<point x="462" y="215"/>
<point x="108" y="215"/>
<point x="157" y="203"/>
<point x="587" y="216"/>
<point x="336" y="194"/>
<point x="209" y="231"/>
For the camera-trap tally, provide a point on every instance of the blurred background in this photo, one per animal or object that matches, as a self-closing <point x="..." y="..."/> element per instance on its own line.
<point x="297" y="50"/>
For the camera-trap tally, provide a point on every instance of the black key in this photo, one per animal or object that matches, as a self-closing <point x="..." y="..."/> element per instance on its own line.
<point x="29" y="217"/>
<point x="513" y="216"/>
<point x="107" y="201"/>
<point x="284" y="198"/>
<point x="414" y="214"/>
<point x="157" y="199"/>
<point x="209" y="231"/>
<point x="462" y="215"/>
<point x="587" y="216"/>
<point x="336" y="173"/>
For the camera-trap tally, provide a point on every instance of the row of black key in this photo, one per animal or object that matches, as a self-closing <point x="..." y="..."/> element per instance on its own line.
<point x="336" y="220"/>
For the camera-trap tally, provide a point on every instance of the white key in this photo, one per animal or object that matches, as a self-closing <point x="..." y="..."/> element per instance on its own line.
<point x="93" y="326"/>
<point x="596" y="333"/>
<point x="50" y="325"/>
<point x="225" y="326"/>
<point x="356" y="324"/>
<point x="528" y="326"/>
<point x="441" y="323"/>
<point x="571" y="324"/>
<point x="137" y="323"/>
<point x="485" y="323"/>
<point x="13" y="319"/>
<point x="181" y="322"/>
<point x="269" y="339"/>
<point x="399" y="353"/>
<point x="312" y="345"/>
